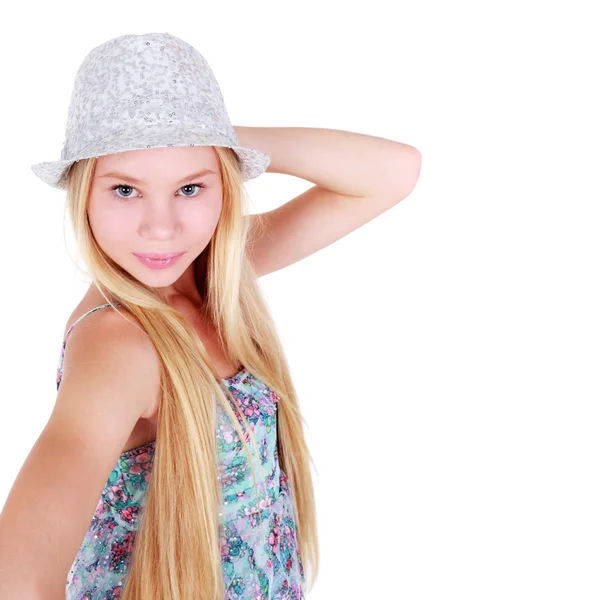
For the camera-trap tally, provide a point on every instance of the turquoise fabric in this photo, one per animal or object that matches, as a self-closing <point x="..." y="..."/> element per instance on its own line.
<point x="259" y="552"/>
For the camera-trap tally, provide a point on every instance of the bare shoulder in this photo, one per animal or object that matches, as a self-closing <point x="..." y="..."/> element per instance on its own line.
<point x="111" y="342"/>
<point x="110" y="377"/>
<point x="102" y="315"/>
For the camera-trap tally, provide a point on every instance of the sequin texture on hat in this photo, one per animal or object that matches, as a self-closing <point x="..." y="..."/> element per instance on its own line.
<point x="145" y="91"/>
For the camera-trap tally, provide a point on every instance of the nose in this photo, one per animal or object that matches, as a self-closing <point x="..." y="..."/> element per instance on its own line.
<point x="160" y="220"/>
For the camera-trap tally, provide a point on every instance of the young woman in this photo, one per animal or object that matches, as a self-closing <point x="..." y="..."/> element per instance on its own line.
<point x="128" y="493"/>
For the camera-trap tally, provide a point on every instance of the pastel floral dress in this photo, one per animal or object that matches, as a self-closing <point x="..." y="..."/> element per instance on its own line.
<point x="259" y="551"/>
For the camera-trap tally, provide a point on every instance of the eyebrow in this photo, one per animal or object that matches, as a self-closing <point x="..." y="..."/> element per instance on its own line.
<point x="139" y="182"/>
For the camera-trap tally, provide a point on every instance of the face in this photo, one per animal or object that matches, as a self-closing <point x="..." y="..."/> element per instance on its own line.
<point x="154" y="200"/>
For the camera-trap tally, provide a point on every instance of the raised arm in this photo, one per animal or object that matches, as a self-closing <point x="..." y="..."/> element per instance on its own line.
<point x="110" y="379"/>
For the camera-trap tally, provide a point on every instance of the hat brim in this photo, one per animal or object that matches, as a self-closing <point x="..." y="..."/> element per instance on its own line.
<point x="253" y="162"/>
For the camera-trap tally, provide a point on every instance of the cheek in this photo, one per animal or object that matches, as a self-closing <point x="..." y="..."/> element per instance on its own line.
<point x="201" y="217"/>
<point x="109" y="227"/>
<point x="116" y="228"/>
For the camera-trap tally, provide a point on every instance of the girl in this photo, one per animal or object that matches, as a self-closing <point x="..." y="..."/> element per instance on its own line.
<point x="128" y="493"/>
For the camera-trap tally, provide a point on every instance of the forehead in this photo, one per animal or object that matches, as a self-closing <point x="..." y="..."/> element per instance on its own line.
<point x="175" y="161"/>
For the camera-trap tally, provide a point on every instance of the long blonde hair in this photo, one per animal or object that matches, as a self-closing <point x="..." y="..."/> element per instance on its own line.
<point x="176" y="555"/>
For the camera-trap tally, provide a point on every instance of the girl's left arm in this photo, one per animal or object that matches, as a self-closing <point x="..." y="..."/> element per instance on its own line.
<point x="357" y="177"/>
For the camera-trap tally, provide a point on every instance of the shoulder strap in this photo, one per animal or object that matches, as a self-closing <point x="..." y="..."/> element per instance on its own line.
<point x="64" y="344"/>
<point x="89" y="312"/>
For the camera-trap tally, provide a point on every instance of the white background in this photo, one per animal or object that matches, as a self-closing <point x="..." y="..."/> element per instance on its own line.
<point x="446" y="353"/>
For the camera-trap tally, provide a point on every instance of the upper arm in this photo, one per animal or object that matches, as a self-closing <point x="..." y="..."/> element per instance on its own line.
<point x="110" y="378"/>
<point x="314" y="220"/>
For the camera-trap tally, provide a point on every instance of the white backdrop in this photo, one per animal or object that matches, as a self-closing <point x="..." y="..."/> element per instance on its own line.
<point x="446" y="353"/>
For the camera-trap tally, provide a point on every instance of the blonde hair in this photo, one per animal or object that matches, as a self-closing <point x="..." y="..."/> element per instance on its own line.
<point x="176" y="555"/>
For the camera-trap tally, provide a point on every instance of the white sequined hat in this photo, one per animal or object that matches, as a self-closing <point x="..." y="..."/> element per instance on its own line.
<point x="145" y="91"/>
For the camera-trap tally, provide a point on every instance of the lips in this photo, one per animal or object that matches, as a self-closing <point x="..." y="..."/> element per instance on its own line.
<point x="160" y="263"/>
<point x="158" y="255"/>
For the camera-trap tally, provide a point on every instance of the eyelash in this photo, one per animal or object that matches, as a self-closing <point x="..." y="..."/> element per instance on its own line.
<point x="114" y="188"/>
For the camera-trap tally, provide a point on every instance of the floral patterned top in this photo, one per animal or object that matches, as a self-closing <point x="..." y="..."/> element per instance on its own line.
<point x="259" y="551"/>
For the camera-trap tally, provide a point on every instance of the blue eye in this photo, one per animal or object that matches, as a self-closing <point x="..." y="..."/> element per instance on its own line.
<point x="114" y="188"/>
<point x="192" y="185"/>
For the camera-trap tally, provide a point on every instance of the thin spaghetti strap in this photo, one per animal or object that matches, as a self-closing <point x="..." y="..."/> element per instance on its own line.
<point x="89" y="312"/>
<point x="64" y="343"/>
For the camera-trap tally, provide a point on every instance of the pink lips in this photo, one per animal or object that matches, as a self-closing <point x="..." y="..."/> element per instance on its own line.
<point x="158" y="254"/>
<point x="156" y="260"/>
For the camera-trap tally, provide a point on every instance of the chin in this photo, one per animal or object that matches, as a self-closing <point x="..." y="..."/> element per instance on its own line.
<point x="158" y="278"/>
